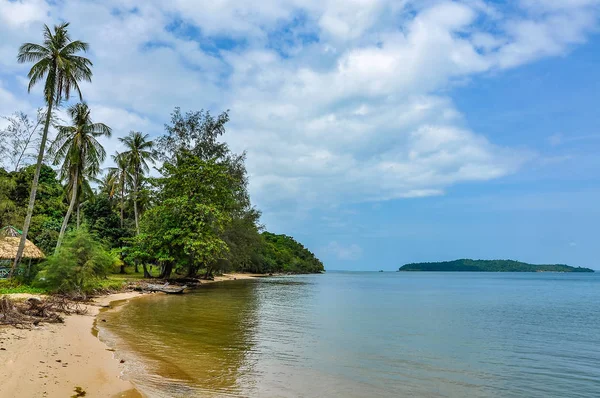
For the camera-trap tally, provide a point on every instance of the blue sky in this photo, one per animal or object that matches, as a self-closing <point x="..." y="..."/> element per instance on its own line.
<point x="378" y="132"/>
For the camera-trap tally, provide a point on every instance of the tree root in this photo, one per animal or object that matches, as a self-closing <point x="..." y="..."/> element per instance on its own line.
<point x="25" y="314"/>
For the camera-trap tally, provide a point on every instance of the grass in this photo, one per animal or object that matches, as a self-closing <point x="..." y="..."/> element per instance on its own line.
<point x="11" y="287"/>
<point x="113" y="282"/>
<point x="116" y="281"/>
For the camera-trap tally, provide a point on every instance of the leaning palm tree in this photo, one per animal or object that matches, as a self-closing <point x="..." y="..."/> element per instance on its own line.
<point x="80" y="153"/>
<point x="138" y="154"/>
<point x="123" y="176"/>
<point x="55" y="61"/>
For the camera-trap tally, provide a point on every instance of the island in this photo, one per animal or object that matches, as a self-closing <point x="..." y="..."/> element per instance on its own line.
<point x="467" y="265"/>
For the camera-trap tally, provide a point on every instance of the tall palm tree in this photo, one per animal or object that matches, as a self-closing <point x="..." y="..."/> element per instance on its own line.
<point x="55" y="61"/>
<point x="138" y="154"/>
<point x="81" y="154"/>
<point x="109" y="183"/>
<point x="123" y="176"/>
<point x="85" y="194"/>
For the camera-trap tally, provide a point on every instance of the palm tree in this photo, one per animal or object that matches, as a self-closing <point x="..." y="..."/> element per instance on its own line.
<point x="81" y="154"/>
<point x="123" y="177"/>
<point x="109" y="184"/>
<point x="138" y="154"/>
<point x="55" y="61"/>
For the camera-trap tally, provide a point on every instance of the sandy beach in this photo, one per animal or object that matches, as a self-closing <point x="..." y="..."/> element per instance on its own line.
<point x="52" y="360"/>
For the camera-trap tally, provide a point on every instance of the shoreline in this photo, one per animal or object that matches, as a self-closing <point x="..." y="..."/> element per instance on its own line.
<point x="51" y="360"/>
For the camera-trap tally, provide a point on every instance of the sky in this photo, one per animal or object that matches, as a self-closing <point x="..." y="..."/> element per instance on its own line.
<point x="377" y="132"/>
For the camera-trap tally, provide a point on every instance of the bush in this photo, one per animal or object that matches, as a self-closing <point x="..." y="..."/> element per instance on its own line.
<point x="78" y="266"/>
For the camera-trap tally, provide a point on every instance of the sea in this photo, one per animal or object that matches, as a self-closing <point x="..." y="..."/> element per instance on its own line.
<point x="366" y="334"/>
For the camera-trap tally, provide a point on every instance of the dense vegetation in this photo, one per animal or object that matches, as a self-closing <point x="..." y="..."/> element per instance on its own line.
<point x="281" y="253"/>
<point x="192" y="217"/>
<point x="50" y="205"/>
<point x="466" y="265"/>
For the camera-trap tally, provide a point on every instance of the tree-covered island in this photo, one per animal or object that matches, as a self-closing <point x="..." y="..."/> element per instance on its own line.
<point x="467" y="265"/>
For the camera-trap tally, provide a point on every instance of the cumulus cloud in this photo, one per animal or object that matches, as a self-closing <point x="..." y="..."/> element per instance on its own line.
<point x="333" y="100"/>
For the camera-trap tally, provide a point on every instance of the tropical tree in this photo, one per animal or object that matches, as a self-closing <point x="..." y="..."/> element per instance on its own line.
<point x="55" y="63"/>
<point x="109" y="184"/>
<point x="138" y="154"/>
<point x="81" y="154"/>
<point x="123" y="178"/>
<point x="183" y="230"/>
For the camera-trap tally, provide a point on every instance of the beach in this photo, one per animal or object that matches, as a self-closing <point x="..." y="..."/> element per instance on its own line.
<point x="52" y="360"/>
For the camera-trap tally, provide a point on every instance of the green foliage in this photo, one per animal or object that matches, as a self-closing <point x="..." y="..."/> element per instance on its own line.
<point x="103" y="221"/>
<point x="183" y="230"/>
<point x="76" y="147"/>
<point x="111" y="284"/>
<point x="49" y="207"/>
<point x="11" y="286"/>
<point x="466" y="265"/>
<point x="281" y="253"/>
<point x="78" y="266"/>
<point x="8" y="209"/>
<point x="136" y="158"/>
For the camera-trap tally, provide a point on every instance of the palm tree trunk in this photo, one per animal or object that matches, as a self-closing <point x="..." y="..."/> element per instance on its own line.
<point x="135" y="209"/>
<point x="122" y="198"/>
<point x="61" y="235"/>
<point x="34" y="186"/>
<point x="78" y="219"/>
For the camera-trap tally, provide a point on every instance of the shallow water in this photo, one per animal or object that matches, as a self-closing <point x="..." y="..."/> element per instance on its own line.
<point x="367" y="335"/>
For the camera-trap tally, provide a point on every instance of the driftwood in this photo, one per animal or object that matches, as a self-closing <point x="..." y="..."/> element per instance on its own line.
<point x="31" y="312"/>
<point x="166" y="288"/>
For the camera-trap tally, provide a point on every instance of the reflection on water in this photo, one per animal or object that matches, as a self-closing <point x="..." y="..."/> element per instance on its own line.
<point x="189" y="344"/>
<point x="368" y="335"/>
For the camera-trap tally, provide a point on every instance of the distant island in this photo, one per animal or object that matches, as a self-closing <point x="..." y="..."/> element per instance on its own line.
<point x="466" y="265"/>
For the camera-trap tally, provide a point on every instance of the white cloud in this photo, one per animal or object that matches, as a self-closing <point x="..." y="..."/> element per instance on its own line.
<point x="9" y="103"/>
<point x="334" y="100"/>
<point x="20" y="13"/>
<point x="344" y="252"/>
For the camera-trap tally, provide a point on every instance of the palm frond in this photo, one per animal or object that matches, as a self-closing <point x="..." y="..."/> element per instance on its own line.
<point x="74" y="47"/>
<point x="99" y="129"/>
<point x="31" y="52"/>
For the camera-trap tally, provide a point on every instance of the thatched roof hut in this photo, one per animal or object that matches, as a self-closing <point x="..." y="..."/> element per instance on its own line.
<point x="10" y="238"/>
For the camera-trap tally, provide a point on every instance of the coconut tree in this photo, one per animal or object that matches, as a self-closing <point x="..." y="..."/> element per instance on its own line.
<point x="137" y="155"/>
<point x="109" y="184"/>
<point x="85" y="194"/>
<point x="123" y="177"/>
<point x="58" y="66"/>
<point x="80" y="153"/>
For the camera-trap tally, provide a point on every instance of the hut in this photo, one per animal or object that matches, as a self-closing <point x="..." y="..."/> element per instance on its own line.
<point x="10" y="238"/>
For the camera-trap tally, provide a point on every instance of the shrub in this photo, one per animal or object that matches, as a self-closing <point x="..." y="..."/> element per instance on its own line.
<point x="78" y="266"/>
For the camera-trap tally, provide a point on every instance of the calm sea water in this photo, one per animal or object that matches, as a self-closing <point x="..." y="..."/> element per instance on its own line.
<point x="368" y="335"/>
